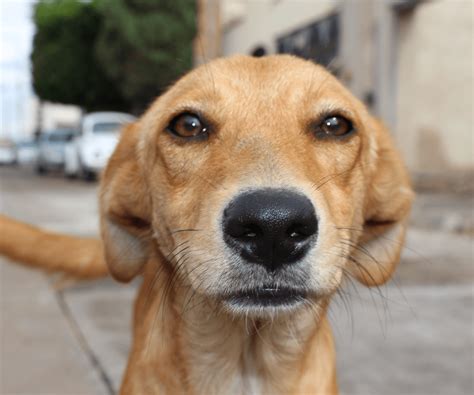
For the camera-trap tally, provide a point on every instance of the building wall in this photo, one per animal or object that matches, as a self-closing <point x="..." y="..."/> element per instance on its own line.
<point x="60" y="116"/>
<point x="23" y="123"/>
<point x="251" y="23"/>
<point x="434" y="125"/>
<point x="207" y="43"/>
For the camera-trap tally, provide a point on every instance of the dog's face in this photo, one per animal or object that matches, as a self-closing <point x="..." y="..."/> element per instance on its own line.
<point x="263" y="181"/>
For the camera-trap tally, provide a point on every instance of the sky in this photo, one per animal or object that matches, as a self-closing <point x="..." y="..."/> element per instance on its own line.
<point x="16" y="35"/>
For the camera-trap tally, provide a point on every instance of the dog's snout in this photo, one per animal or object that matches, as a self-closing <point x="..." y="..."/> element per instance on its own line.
<point x="270" y="227"/>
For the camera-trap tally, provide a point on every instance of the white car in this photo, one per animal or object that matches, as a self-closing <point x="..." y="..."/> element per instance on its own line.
<point x="8" y="154"/>
<point x="27" y="152"/>
<point x="89" y="152"/>
<point x="51" y="147"/>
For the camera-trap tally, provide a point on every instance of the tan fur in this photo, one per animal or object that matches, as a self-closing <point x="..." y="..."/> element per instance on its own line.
<point x="161" y="201"/>
<point x="78" y="257"/>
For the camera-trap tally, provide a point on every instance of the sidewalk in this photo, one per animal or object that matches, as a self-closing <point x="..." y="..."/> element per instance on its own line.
<point x="40" y="352"/>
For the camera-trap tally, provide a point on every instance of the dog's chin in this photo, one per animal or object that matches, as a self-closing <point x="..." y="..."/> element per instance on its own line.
<point x="265" y="301"/>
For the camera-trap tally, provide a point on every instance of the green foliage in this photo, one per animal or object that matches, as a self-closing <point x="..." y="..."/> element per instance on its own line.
<point x="146" y="44"/>
<point x="110" y="54"/>
<point x="65" y="68"/>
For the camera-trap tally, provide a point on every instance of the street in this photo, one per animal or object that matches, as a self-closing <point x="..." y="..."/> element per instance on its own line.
<point x="413" y="336"/>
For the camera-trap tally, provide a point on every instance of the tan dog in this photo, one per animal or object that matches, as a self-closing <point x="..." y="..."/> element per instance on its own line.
<point x="243" y="196"/>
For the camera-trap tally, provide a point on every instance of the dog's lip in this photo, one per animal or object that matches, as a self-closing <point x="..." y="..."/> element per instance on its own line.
<point x="266" y="296"/>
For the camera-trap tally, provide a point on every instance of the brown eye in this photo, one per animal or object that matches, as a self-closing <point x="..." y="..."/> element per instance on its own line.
<point x="335" y="125"/>
<point x="187" y="125"/>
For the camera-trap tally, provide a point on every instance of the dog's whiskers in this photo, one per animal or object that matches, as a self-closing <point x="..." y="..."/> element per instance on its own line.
<point x="330" y="177"/>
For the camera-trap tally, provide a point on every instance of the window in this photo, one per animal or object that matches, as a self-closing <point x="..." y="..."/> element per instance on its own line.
<point x="318" y="41"/>
<point x="106" y="127"/>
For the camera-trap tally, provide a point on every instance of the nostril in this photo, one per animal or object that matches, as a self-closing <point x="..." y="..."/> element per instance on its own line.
<point x="301" y="232"/>
<point x="251" y="232"/>
<point x="242" y="231"/>
<point x="296" y="235"/>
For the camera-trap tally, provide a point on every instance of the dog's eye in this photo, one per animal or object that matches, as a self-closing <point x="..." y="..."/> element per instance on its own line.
<point x="334" y="125"/>
<point x="187" y="125"/>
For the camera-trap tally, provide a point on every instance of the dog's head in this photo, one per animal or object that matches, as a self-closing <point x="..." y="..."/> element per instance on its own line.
<point x="262" y="181"/>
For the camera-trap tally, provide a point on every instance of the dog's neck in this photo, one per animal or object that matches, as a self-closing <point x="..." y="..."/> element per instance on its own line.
<point x="190" y="345"/>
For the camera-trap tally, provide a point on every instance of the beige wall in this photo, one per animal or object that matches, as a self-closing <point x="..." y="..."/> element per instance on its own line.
<point x="248" y="23"/>
<point x="60" y="116"/>
<point x="207" y="43"/>
<point x="434" y="126"/>
<point x="53" y="116"/>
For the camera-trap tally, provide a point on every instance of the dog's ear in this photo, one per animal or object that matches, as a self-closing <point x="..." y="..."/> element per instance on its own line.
<point x="386" y="212"/>
<point x="125" y="209"/>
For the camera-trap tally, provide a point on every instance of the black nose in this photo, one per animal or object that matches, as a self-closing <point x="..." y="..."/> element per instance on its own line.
<point x="271" y="227"/>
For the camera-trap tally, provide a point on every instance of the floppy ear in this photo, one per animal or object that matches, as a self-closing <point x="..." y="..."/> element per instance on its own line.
<point x="386" y="212"/>
<point x="125" y="209"/>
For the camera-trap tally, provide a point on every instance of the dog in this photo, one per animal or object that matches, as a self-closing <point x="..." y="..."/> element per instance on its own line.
<point x="244" y="197"/>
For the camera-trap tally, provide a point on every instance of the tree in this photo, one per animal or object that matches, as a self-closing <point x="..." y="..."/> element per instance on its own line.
<point x="146" y="45"/>
<point x="110" y="54"/>
<point x="64" y="63"/>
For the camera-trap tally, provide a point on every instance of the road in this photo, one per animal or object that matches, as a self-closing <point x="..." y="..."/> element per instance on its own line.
<point x="412" y="337"/>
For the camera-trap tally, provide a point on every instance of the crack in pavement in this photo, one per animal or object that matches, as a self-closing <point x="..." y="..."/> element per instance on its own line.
<point x="79" y="335"/>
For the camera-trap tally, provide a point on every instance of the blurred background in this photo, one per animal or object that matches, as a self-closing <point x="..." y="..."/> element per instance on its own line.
<point x="73" y="72"/>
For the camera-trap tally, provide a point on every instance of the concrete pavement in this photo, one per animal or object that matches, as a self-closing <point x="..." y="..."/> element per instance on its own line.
<point x="40" y="350"/>
<point x="414" y="337"/>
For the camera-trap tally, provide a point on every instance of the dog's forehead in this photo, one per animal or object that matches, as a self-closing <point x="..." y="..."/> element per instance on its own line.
<point x="243" y="80"/>
<point x="276" y="72"/>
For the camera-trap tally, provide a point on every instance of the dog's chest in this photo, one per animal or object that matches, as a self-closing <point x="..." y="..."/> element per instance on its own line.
<point x="245" y="384"/>
<point x="247" y="379"/>
<point x="229" y="359"/>
<point x="239" y="369"/>
<point x="242" y="379"/>
<point x="225" y="370"/>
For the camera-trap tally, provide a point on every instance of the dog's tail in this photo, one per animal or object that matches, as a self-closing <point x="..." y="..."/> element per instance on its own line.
<point x="81" y="258"/>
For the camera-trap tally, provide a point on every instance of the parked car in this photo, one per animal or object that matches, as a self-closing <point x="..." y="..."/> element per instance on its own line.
<point x="87" y="154"/>
<point x="8" y="155"/>
<point x="27" y="152"/>
<point x="51" y="146"/>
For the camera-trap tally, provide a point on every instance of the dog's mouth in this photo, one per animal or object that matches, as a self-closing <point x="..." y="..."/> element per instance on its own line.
<point x="266" y="297"/>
